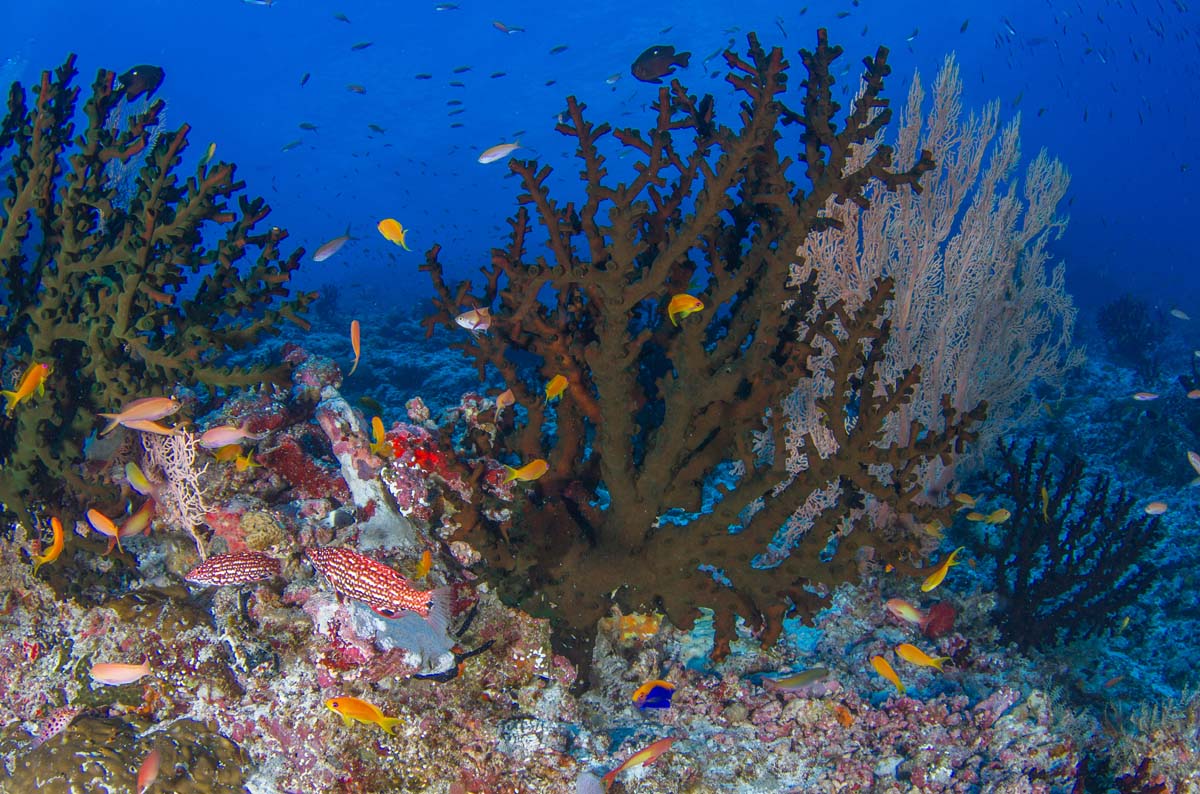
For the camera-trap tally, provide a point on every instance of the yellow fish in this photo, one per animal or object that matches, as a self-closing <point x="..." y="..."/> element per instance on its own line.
<point x="138" y="480"/>
<point x="966" y="500"/>
<point x="682" y="305"/>
<point x="913" y="654"/>
<point x="379" y="445"/>
<point x="505" y="399"/>
<point x="934" y="579"/>
<point x="997" y="516"/>
<point x="527" y="473"/>
<point x="884" y="669"/>
<point x="357" y="709"/>
<point x="56" y="546"/>
<point x="226" y="454"/>
<point x="393" y="232"/>
<point x="975" y="515"/>
<point x="33" y="380"/>
<point x="423" y="565"/>
<point x="556" y="387"/>
<point x="244" y="462"/>
<point x="105" y="526"/>
<point x="1045" y="504"/>
<point x="208" y="154"/>
<point x="355" y="344"/>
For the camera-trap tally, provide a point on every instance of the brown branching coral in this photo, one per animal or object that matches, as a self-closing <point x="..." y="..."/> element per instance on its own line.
<point x="95" y="286"/>
<point x="655" y="415"/>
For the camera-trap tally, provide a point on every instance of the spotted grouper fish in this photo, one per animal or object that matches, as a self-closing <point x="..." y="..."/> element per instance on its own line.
<point x="55" y="723"/>
<point x="239" y="567"/>
<point x="359" y="577"/>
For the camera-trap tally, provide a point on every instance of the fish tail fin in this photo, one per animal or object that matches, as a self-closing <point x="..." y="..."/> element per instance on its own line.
<point x="441" y="608"/>
<point x="37" y="563"/>
<point x="673" y="315"/>
<point x="608" y="779"/>
<point x="10" y="401"/>
<point x="941" y="660"/>
<point x="351" y="372"/>
<point x="112" y="423"/>
<point x="389" y="724"/>
<point x="512" y="473"/>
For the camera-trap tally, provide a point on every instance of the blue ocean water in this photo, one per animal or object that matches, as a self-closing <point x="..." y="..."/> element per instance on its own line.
<point x="1109" y="87"/>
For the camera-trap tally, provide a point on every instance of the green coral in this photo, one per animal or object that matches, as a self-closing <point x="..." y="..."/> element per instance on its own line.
<point x="125" y="296"/>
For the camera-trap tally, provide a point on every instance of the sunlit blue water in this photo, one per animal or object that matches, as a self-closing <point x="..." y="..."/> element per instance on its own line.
<point x="1110" y="88"/>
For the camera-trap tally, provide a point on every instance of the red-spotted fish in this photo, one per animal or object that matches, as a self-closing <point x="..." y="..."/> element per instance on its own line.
<point x="359" y="577"/>
<point x="238" y="567"/>
<point x="58" y="721"/>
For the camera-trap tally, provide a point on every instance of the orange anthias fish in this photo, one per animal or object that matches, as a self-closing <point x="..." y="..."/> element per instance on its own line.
<point x="905" y="611"/>
<point x="964" y="499"/>
<point x="393" y="232"/>
<point x="423" y="565"/>
<point x="33" y="380"/>
<point x="351" y="709"/>
<point x="355" y="344"/>
<point x="116" y="674"/>
<point x="913" y="654"/>
<point x="228" y="453"/>
<point x="56" y="546"/>
<point x="1156" y="508"/>
<point x="682" y="305"/>
<point x="226" y="435"/>
<point x="148" y="772"/>
<point x="641" y="758"/>
<point x="998" y="516"/>
<point x="529" y="472"/>
<point x="147" y="409"/>
<point x="884" y="669"/>
<point x="150" y="426"/>
<point x="505" y="399"/>
<point x="556" y="387"/>
<point x="939" y="574"/>
<point x="330" y="248"/>
<point x="105" y="526"/>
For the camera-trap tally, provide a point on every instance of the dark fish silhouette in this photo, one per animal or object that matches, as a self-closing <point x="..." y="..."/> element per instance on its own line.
<point x="141" y="79"/>
<point x="659" y="61"/>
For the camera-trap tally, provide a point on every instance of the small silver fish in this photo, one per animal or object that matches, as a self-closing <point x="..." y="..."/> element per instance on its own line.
<point x="332" y="247"/>
<point x="475" y="320"/>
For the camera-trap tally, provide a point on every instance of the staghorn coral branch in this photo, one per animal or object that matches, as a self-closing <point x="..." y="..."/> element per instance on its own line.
<point x="656" y="415"/>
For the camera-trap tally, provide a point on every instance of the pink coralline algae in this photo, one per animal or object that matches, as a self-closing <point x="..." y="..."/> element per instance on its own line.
<point x="308" y="477"/>
<point x="239" y="567"/>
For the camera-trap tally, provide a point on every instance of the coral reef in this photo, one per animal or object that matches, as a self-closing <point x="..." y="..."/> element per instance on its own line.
<point x="976" y="305"/>
<point x="1131" y="333"/>
<point x="655" y="418"/>
<point x="1071" y="555"/>
<point x="92" y="283"/>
